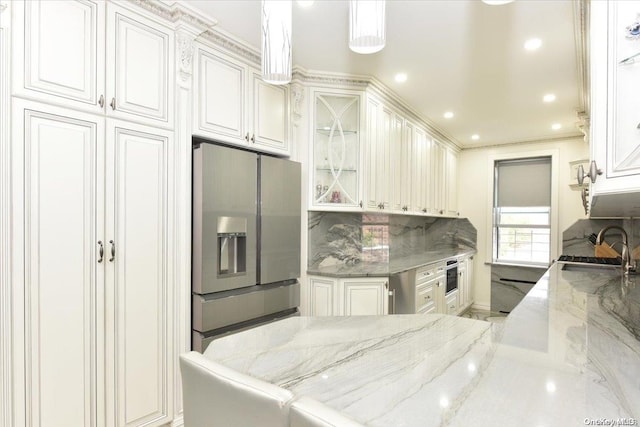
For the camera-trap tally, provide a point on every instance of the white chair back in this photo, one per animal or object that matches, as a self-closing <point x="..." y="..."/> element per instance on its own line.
<point x="217" y="396"/>
<point x="307" y="412"/>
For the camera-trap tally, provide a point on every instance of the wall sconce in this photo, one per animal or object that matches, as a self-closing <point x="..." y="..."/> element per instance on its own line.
<point x="276" y="41"/>
<point x="367" y="28"/>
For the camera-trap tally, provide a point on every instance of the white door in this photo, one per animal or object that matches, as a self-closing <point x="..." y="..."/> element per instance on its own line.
<point x="383" y="158"/>
<point x="139" y="68"/>
<point x="452" y="182"/>
<point x="63" y="265"/>
<point x="396" y="165"/>
<point x="364" y="296"/>
<point x="220" y="98"/>
<point x="407" y="166"/>
<point x="58" y="51"/>
<point x="371" y="147"/>
<point x="270" y="116"/>
<point x="419" y="171"/>
<point x="138" y="291"/>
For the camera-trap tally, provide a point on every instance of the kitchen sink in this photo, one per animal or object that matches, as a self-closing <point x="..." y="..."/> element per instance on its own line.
<point x="581" y="263"/>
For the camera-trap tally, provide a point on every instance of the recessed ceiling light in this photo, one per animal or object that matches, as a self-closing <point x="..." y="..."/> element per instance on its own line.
<point x="549" y="97"/>
<point x="448" y="115"/>
<point x="475" y="137"/>
<point x="556" y="126"/>
<point x="305" y="3"/>
<point x="401" y="77"/>
<point x="551" y="386"/>
<point x="532" y="44"/>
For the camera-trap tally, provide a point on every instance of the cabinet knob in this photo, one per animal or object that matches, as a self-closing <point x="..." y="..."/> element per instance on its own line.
<point x="592" y="175"/>
<point x="113" y="103"/>
<point x="360" y="203"/>
<point x="101" y="101"/>
<point x="246" y="137"/>
<point x="253" y="138"/>
<point x="424" y="210"/>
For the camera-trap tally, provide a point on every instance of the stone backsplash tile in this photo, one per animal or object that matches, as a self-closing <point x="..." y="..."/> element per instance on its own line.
<point x="347" y="238"/>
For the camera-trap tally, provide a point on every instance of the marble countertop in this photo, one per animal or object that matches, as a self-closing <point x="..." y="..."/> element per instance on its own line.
<point x="568" y="354"/>
<point x="374" y="269"/>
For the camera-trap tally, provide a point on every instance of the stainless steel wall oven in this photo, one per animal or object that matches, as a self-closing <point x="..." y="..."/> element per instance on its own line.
<point x="452" y="276"/>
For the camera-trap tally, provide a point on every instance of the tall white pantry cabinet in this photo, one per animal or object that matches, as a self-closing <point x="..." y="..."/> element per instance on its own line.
<point x="92" y="206"/>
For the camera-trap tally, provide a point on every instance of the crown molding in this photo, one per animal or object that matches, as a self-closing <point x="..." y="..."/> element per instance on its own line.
<point x="219" y="38"/>
<point x="175" y="11"/>
<point x="563" y="138"/>
<point x="373" y="86"/>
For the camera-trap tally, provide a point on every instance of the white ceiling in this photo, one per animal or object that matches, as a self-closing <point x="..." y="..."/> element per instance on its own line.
<point x="462" y="56"/>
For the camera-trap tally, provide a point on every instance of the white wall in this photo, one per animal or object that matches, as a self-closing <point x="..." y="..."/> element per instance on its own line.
<point x="474" y="191"/>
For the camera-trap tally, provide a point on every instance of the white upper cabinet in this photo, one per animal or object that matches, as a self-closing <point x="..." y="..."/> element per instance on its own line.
<point x="58" y="52"/>
<point x="233" y="104"/>
<point x="270" y="120"/>
<point x="95" y="56"/>
<point x="377" y="151"/>
<point x="139" y="64"/>
<point x="451" y="182"/>
<point x="615" y="123"/>
<point x="336" y="176"/>
<point x="398" y="154"/>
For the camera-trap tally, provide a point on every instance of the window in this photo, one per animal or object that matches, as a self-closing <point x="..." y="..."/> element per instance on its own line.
<point x="375" y="238"/>
<point x="522" y="211"/>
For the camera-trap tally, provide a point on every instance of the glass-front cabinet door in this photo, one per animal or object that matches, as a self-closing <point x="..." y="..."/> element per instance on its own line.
<point x="336" y="151"/>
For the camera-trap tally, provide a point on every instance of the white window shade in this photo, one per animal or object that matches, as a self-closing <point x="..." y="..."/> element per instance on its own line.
<point x="523" y="182"/>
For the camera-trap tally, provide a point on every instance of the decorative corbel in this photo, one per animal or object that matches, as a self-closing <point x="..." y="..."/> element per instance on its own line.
<point x="185" y="49"/>
<point x="583" y="125"/>
<point x="297" y="96"/>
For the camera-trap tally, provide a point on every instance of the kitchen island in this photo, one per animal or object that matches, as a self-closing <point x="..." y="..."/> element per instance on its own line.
<point x="569" y="354"/>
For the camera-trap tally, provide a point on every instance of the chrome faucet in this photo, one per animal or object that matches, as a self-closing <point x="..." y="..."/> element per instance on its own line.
<point x="627" y="264"/>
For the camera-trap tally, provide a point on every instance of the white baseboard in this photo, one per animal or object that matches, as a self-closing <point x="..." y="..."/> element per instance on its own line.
<point x="178" y="421"/>
<point x="478" y="306"/>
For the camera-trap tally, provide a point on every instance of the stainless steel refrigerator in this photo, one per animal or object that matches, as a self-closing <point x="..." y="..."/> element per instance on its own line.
<point x="246" y="240"/>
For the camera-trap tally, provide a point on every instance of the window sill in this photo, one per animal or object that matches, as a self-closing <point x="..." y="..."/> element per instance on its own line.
<point x="515" y="264"/>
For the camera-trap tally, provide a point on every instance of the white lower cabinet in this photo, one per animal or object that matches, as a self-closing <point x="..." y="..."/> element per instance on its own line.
<point x="93" y="208"/>
<point x="465" y="282"/>
<point x="348" y="296"/>
<point x="451" y="302"/>
<point x="323" y="296"/>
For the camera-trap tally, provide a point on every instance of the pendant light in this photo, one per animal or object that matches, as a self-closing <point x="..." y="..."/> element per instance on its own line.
<point x="276" y="41"/>
<point x="367" y="29"/>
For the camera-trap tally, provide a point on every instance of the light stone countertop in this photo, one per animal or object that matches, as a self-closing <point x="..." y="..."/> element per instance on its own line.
<point x="567" y="355"/>
<point x="370" y="269"/>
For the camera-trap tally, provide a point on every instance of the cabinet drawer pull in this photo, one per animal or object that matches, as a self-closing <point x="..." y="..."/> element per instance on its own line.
<point x="113" y="103"/>
<point x="113" y="251"/>
<point x="101" y="101"/>
<point x="100" y="251"/>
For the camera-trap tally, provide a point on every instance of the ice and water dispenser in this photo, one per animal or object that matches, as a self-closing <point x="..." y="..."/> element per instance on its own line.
<point x="232" y="246"/>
